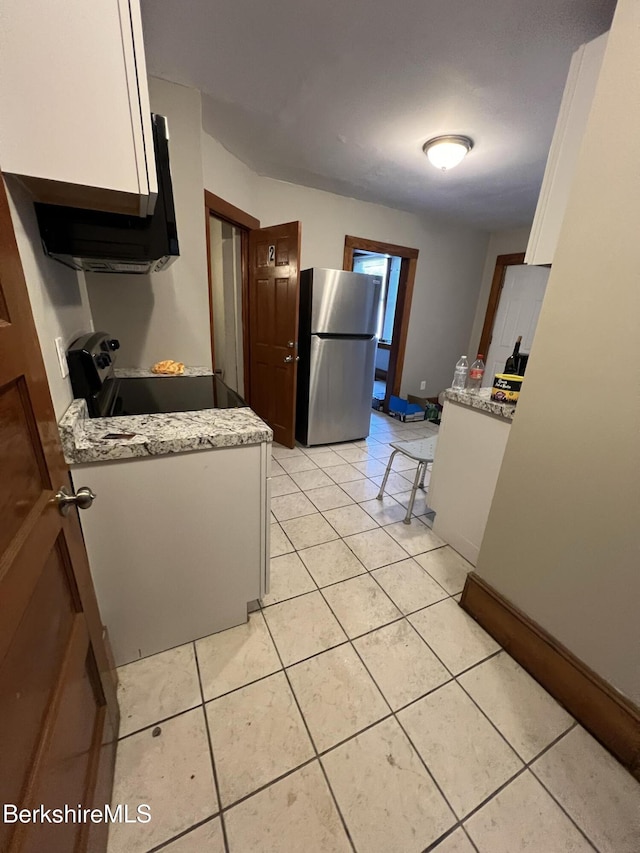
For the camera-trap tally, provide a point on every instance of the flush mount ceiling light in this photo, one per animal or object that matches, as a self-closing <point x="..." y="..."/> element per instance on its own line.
<point x="445" y="152"/>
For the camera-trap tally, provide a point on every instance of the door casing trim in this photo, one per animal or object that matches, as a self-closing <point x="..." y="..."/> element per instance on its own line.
<point x="403" y="305"/>
<point x="497" y="283"/>
<point x="221" y="209"/>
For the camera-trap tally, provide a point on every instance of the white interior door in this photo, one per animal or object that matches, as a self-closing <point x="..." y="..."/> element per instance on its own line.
<point x="517" y="314"/>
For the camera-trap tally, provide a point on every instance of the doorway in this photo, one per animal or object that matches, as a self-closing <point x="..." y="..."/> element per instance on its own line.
<point x="515" y="301"/>
<point x="388" y="268"/>
<point x="227" y="232"/>
<point x="397" y="266"/>
<point x="225" y="295"/>
<point x="253" y="283"/>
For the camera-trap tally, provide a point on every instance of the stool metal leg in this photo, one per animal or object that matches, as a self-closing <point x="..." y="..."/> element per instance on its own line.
<point x="419" y="474"/>
<point x="424" y="471"/>
<point x="386" y="475"/>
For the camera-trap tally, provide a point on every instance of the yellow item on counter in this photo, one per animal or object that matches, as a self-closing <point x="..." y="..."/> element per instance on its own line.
<point x="506" y="388"/>
<point x="172" y="368"/>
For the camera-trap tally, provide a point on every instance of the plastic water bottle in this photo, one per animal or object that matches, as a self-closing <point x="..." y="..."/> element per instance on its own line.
<point x="475" y="375"/>
<point x="460" y="376"/>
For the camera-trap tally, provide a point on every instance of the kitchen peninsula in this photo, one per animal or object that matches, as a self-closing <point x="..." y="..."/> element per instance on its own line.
<point x="471" y="442"/>
<point x="178" y="536"/>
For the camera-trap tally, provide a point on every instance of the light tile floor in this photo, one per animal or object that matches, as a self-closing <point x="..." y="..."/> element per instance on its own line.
<point x="360" y="709"/>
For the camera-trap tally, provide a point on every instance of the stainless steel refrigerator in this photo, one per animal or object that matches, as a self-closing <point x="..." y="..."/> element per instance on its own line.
<point x="339" y="317"/>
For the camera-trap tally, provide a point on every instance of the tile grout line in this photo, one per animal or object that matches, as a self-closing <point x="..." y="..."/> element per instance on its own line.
<point x="163" y="720"/>
<point x="352" y="499"/>
<point x="180" y="835"/>
<point x="319" y="755"/>
<point x="366" y="571"/>
<point x="526" y="764"/>
<point x="263" y="611"/>
<point x="469" y="838"/>
<point x="522" y="771"/>
<point x="311" y="740"/>
<point x="552" y="795"/>
<point x="211" y="756"/>
<point x="218" y="813"/>
<point x="330" y="648"/>
<point x="432" y="848"/>
<point x="393" y="715"/>
<point x="454" y="678"/>
<point x="203" y="703"/>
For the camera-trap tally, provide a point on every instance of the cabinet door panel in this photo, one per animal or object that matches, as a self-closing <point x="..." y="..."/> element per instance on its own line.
<point x="72" y="122"/>
<point x="563" y="154"/>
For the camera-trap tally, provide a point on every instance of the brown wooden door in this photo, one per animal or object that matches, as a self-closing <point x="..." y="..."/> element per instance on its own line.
<point x="274" y="289"/>
<point x="58" y="709"/>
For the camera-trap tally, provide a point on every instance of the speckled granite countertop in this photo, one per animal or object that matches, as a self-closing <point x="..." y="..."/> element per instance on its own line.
<point x="84" y="438"/>
<point x="482" y="402"/>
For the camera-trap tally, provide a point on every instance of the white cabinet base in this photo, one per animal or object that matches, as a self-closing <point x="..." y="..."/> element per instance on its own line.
<point x="471" y="445"/>
<point x="176" y="544"/>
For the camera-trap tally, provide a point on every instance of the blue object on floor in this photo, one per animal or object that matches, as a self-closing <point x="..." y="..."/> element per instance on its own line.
<point x="403" y="407"/>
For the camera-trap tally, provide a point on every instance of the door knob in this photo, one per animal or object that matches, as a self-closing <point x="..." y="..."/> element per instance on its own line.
<point x="64" y="500"/>
<point x="288" y="358"/>
<point x="291" y="344"/>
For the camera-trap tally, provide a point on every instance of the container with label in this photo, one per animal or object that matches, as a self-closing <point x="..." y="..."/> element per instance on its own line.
<point x="506" y="388"/>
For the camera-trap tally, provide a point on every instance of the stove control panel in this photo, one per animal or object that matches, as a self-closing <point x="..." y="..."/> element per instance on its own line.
<point x="91" y="359"/>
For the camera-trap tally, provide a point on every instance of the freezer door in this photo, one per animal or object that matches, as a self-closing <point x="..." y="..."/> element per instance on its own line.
<point x="345" y="303"/>
<point x="340" y="389"/>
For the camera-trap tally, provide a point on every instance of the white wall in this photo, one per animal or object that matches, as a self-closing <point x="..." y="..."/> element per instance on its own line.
<point x="448" y="271"/>
<point x="447" y="276"/>
<point x="57" y="294"/>
<point x="382" y="358"/>
<point x="562" y="538"/>
<point x="228" y="177"/>
<point x="170" y="309"/>
<point x="166" y="314"/>
<point x="500" y="243"/>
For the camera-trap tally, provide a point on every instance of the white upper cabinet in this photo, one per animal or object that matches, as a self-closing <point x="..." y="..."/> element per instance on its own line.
<point x="563" y="154"/>
<point x="74" y="104"/>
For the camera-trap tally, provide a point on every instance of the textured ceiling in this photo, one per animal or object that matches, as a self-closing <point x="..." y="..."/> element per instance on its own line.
<point x="342" y="94"/>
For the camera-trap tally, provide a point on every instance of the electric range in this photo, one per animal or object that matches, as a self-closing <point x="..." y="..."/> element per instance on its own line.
<point x="92" y="359"/>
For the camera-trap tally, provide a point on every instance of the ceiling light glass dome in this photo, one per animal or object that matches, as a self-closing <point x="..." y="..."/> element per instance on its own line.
<point x="445" y="152"/>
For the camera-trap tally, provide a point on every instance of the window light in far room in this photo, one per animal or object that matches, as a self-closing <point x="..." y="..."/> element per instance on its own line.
<point x="445" y="152"/>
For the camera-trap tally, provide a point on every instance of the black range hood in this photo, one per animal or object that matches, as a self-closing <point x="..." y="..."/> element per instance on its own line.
<point x="100" y="242"/>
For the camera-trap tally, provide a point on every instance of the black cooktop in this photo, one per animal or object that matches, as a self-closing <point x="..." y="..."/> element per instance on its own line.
<point x="156" y="394"/>
<point x="92" y="359"/>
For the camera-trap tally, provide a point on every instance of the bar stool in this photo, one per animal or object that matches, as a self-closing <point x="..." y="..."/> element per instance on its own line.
<point x="423" y="451"/>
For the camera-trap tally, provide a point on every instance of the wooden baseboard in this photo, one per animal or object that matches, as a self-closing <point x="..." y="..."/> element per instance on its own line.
<point x="610" y="717"/>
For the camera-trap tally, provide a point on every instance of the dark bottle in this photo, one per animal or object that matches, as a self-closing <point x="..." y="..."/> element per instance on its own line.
<point x="511" y="365"/>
